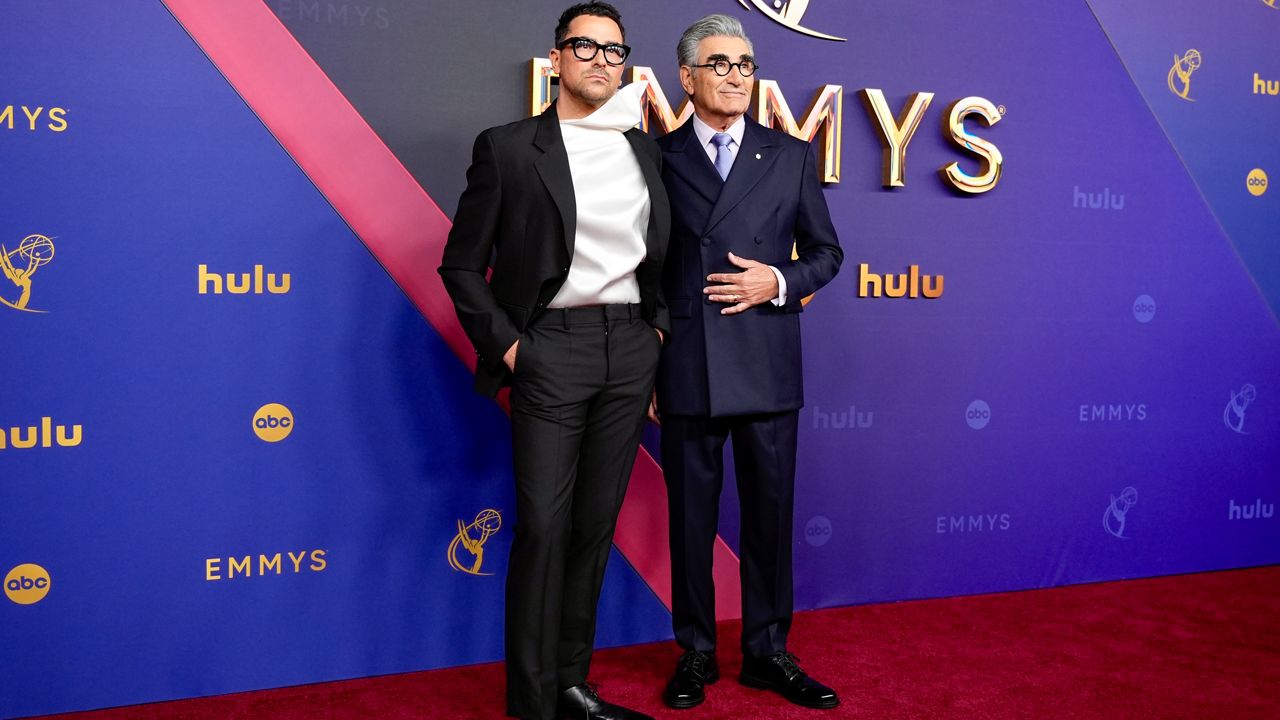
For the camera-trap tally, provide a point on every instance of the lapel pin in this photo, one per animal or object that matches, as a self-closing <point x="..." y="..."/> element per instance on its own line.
<point x="757" y="156"/>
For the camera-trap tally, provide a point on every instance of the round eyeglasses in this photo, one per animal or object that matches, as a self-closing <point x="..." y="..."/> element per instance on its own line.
<point x="722" y="67"/>
<point x="586" y="49"/>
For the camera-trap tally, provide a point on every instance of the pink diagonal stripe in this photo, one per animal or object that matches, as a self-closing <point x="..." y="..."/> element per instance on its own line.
<point x="398" y="222"/>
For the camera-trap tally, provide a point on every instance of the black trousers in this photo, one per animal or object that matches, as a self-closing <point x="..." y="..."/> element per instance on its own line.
<point x="764" y="456"/>
<point x="583" y="380"/>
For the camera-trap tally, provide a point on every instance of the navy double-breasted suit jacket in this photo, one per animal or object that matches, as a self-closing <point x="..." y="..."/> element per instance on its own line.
<point x="718" y="365"/>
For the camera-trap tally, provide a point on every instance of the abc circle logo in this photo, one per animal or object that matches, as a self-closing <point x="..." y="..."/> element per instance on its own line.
<point x="1257" y="182"/>
<point x="1144" y="308"/>
<point x="273" y="422"/>
<point x="27" y="584"/>
<point x="817" y="531"/>
<point x="978" y="414"/>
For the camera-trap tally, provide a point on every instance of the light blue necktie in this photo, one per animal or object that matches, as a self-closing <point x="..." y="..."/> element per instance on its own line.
<point x="724" y="157"/>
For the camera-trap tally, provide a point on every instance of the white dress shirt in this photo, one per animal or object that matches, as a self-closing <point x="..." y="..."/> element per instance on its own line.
<point x="612" y="200"/>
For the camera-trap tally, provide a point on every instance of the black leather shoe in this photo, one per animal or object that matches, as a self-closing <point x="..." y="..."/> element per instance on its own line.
<point x="694" y="670"/>
<point x="581" y="702"/>
<point x="781" y="673"/>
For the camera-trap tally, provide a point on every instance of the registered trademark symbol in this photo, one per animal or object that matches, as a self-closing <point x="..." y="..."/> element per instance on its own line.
<point x="1001" y="109"/>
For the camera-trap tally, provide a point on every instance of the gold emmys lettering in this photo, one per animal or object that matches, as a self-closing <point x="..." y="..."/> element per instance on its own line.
<point x="33" y="252"/>
<point x="472" y="539"/>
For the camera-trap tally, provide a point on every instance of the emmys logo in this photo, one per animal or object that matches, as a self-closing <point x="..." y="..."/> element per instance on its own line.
<point x="273" y="422"/>
<point x="45" y="436"/>
<point x="57" y="118"/>
<point x="33" y="252"/>
<point x="334" y="13"/>
<point x="472" y="538"/>
<point x="1113" y="413"/>
<point x="1180" y="73"/>
<point x="1113" y="519"/>
<point x="910" y="284"/>
<point x="1256" y="182"/>
<point x="973" y="523"/>
<point x="788" y="13"/>
<point x="27" y="584"/>
<point x="1233" y="414"/>
<point x="267" y="565"/>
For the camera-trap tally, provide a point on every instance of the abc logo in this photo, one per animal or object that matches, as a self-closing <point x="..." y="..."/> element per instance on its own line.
<point x="1257" y="182"/>
<point x="27" y="584"/>
<point x="273" y="422"/>
<point x="978" y="414"/>
<point x="1144" y="308"/>
<point x="817" y="531"/>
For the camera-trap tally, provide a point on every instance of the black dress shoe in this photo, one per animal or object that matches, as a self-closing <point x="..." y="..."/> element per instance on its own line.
<point x="781" y="673"/>
<point x="694" y="670"/>
<point x="581" y="702"/>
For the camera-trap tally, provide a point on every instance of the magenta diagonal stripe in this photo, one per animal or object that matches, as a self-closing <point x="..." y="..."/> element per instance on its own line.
<point x="398" y="222"/>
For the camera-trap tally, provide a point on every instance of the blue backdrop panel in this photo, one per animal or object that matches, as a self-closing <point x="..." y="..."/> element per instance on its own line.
<point x="1036" y="327"/>
<point x="163" y="169"/>
<point x="1093" y="396"/>
<point x="1226" y="127"/>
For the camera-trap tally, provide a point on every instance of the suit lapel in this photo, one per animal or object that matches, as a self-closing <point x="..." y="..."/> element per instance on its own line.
<point x="755" y="156"/>
<point x="653" y="183"/>
<point x="687" y="159"/>
<point x="553" y="168"/>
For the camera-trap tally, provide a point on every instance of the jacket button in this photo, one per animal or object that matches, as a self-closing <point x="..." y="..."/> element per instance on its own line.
<point x="706" y="241"/>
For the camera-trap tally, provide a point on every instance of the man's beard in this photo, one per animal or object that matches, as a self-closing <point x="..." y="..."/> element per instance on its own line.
<point x="593" y="93"/>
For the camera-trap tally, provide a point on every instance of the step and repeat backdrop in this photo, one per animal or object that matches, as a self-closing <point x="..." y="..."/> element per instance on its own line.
<point x="238" y="444"/>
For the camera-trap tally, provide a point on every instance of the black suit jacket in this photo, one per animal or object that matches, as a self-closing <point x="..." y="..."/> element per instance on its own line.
<point x="518" y="215"/>
<point x="717" y="365"/>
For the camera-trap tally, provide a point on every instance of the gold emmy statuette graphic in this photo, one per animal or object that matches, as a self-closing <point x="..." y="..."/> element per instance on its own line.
<point x="788" y="13"/>
<point x="19" y="265"/>
<point x="1180" y="73"/>
<point x="1272" y="4"/>
<point x="472" y="538"/>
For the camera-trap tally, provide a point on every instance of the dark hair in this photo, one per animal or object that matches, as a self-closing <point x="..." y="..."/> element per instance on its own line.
<point x="596" y="8"/>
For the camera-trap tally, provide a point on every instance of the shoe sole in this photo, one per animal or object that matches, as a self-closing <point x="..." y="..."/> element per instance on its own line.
<point x="758" y="684"/>
<point x="685" y="705"/>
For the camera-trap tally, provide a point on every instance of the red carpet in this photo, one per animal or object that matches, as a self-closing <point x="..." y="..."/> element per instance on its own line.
<point x="1191" y="646"/>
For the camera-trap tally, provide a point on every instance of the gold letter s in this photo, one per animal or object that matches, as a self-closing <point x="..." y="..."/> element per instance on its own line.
<point x="990" y="154"/>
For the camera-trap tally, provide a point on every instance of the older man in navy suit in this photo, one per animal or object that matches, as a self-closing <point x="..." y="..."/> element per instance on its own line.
<point x="742" y="197"/>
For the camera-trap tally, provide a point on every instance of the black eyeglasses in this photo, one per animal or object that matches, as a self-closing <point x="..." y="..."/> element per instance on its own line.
<point x="586" y="49"/>
<point x="722" y="67"/>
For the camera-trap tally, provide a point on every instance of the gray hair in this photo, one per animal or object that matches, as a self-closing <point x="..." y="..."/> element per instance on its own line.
<point x="709" y="26"/>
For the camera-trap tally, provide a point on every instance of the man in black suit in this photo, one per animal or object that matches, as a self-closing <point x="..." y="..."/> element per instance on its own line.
<point x="568" y="208"/>
<point x="741" y="195"/>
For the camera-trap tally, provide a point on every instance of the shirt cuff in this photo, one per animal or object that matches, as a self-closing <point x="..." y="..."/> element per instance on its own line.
<point x="782" y="288"/>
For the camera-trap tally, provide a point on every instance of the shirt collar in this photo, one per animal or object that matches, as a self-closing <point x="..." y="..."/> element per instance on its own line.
<point x="704" y="131"/>
<point x="621" y="112"/>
